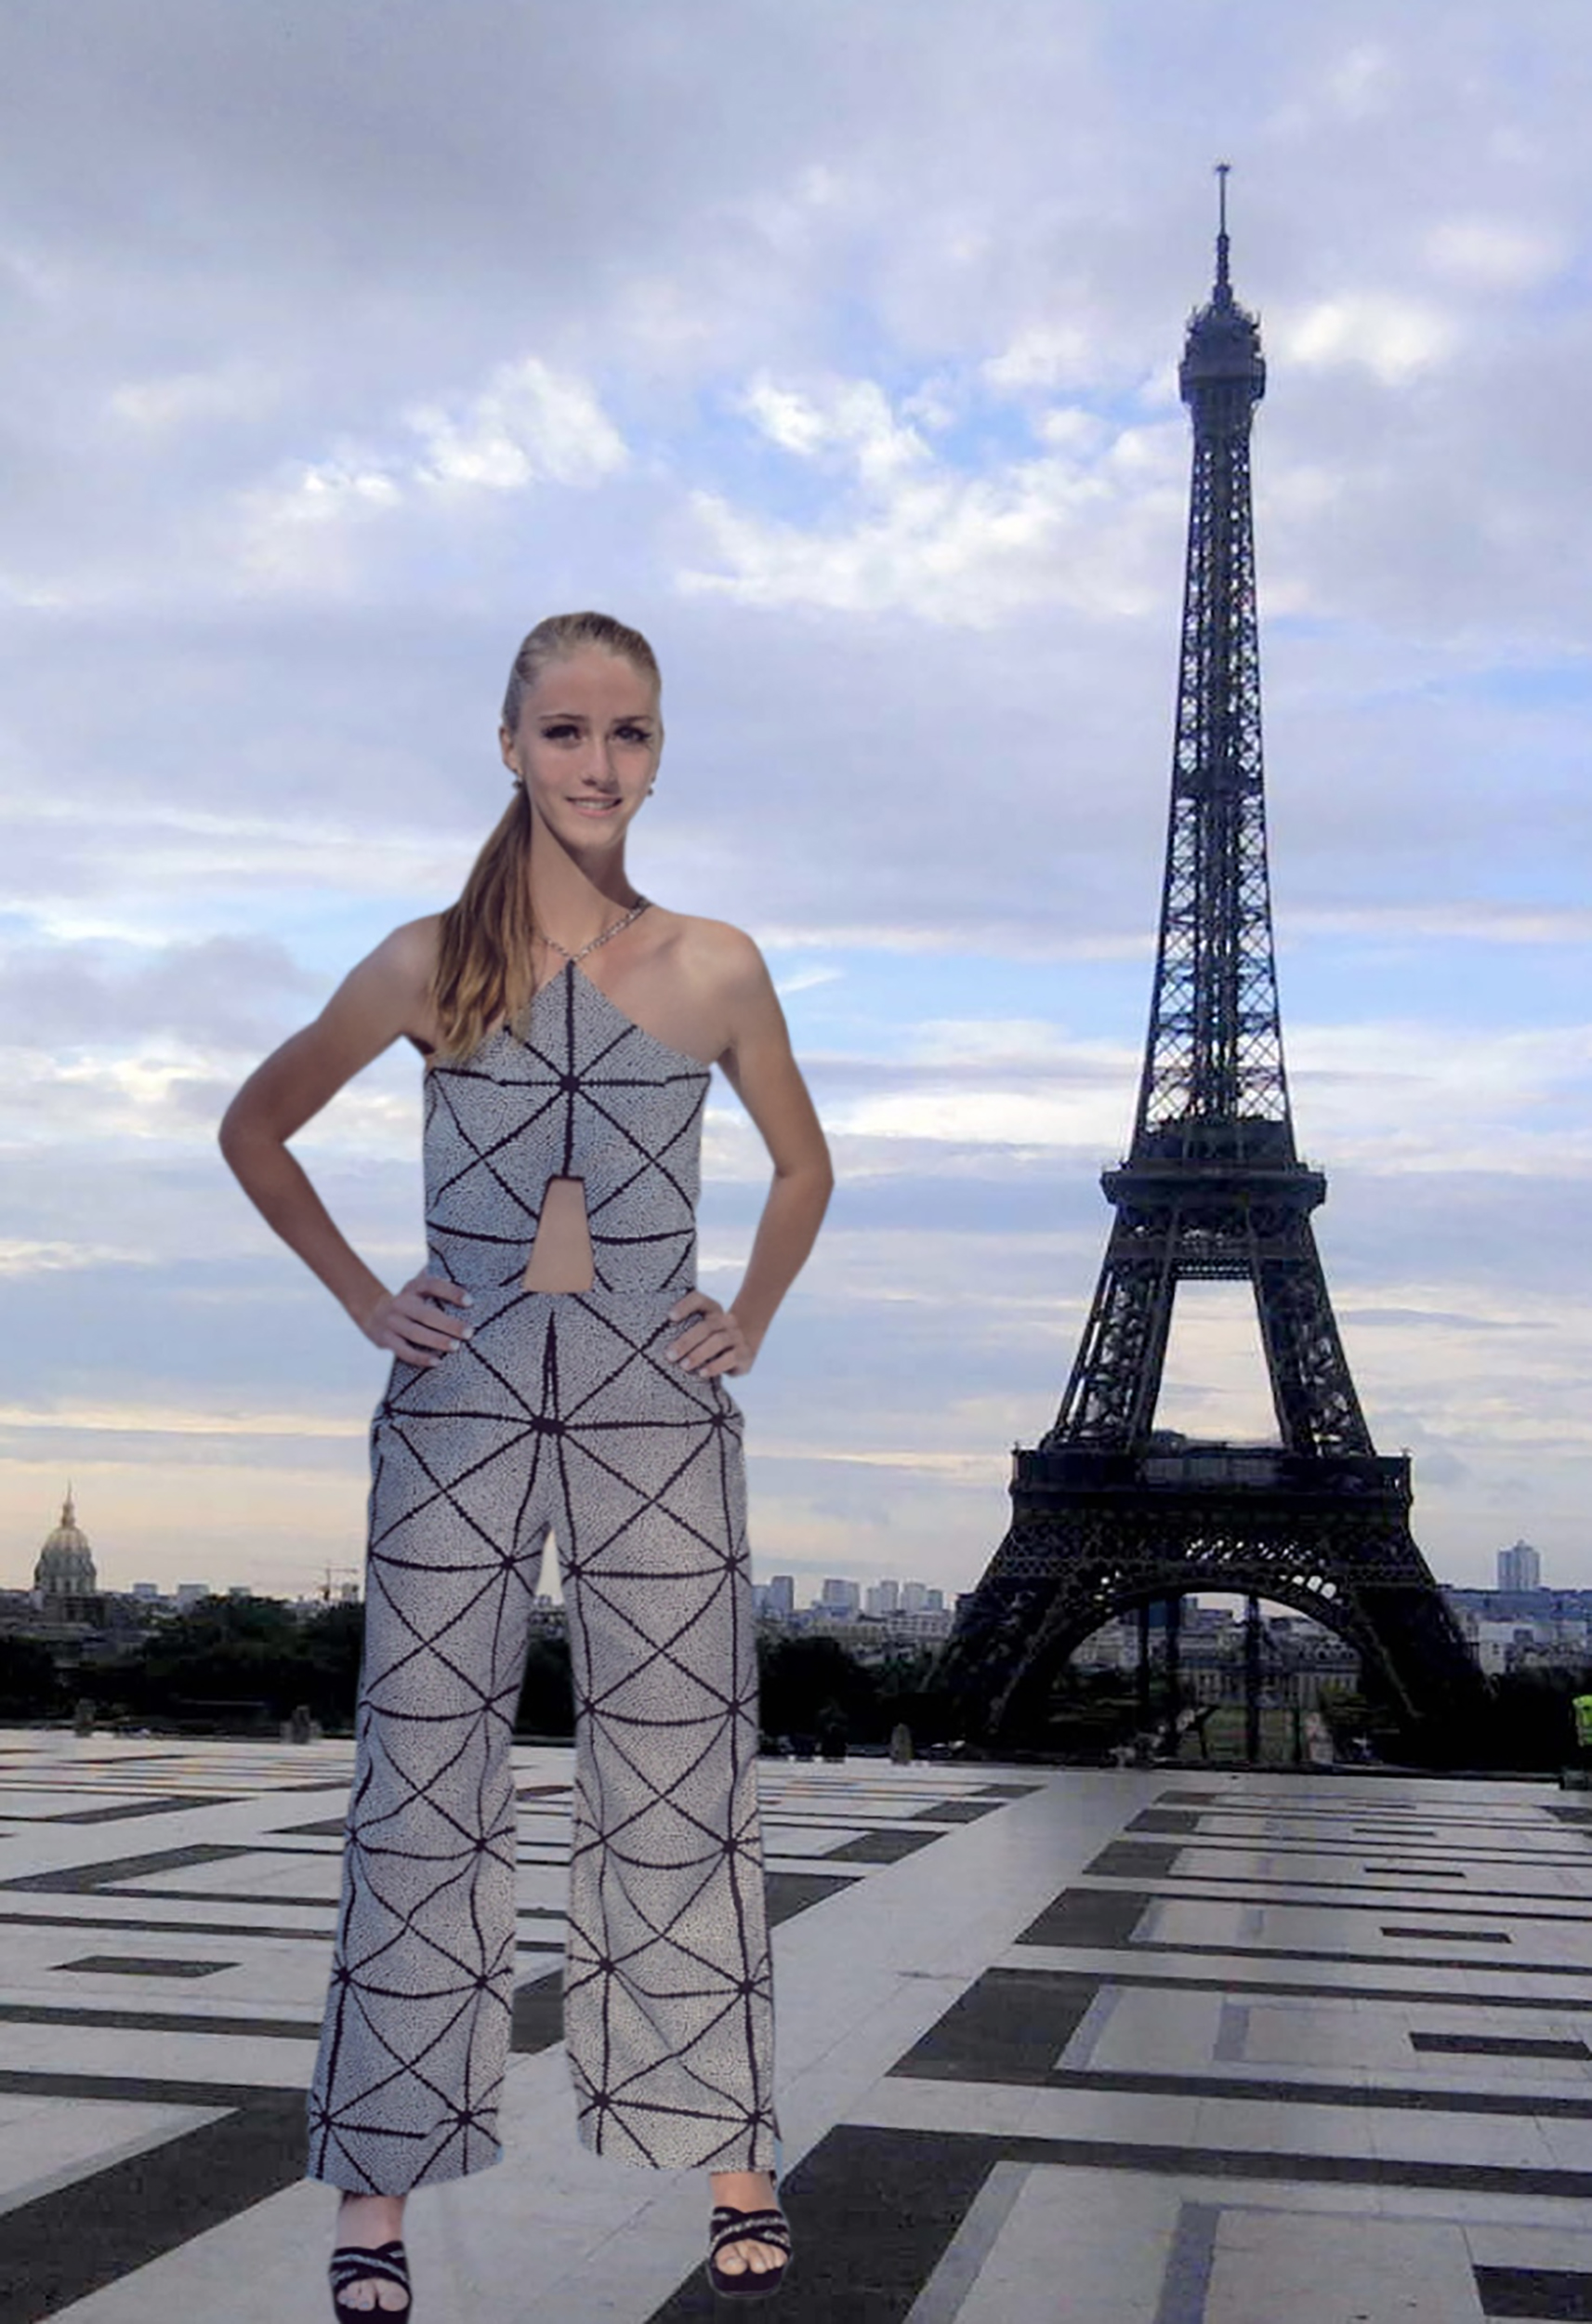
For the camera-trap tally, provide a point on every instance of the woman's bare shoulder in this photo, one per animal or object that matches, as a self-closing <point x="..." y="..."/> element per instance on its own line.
<point x="406" y="958"/>
<point x="714" y="951"/>
<point x="394" y="982"/>
<point x="412" y="948"/>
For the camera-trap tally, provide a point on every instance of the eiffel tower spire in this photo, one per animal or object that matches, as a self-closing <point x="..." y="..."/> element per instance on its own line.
<point x="1215" y="1052"/>
<point x="1106" y="1514"/>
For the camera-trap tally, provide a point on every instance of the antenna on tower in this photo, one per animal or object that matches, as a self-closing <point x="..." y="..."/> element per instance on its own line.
<point x="1223" y="170"/>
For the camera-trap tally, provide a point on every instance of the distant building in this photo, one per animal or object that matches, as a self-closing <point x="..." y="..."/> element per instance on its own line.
<point x="914" y="1598"/>
<point x="66" y="1609"/>
<point x="1496" y="1644"/>
<point x="65" y="1568"/>
<point x="1519" y="1568"/>
<point x="779" y="1601"/>
<point x="933" y="1622"/>
<point x="190" y="1592"/>
<point x="840" y="1598"/>
<point x="1523" y="1630"/>
<point x="883" y="1597"/>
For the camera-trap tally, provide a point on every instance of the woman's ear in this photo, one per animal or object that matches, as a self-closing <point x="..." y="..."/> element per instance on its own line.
<point x="505" y="747"/>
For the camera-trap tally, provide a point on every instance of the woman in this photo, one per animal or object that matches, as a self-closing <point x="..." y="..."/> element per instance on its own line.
<point x="555" y="1367"/>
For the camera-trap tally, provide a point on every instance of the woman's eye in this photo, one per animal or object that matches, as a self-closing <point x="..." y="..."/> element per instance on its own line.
<point x="634" y="734"/>
<point x="557" y="733"/>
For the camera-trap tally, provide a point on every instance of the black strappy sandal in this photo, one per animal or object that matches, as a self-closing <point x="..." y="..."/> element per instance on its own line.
<point x="386" y="2264"/>
<point x="729" y="2225"/>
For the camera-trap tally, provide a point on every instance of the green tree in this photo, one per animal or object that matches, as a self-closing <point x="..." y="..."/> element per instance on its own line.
<point x="246" y="1651"/>
<point x="802" y="1679"/>
<point x="1528" y="1723"/>
<point x="29" y="1688"/>
<point x="333" y="1642"/>
<point x="908" y="1689"/>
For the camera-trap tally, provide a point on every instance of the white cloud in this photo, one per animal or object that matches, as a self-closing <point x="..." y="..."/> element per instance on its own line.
<point x="24" y="1258"/>
<point x="1031" y="1042"/>
<point x="1016" y="1116"/>
<point x="143" y="1419"/>
<point x="137" y="866"/>
<point x="1394" y="338"/>
<point x="1493" y="254"/>
<point x="302" y="530"/>
<point x="784" y="215"/>
<point x="1087" y="524"/>
<point x="790" y="421"/>
<point x="1445" y="1098"/>
<point x="1475" y="922"/>
<point x="1364" y="80"/>
<point x="237" y="390"/>
<point x="850" y="416"/>
<point x="996" y="937"/>
<point x="528" y="423"/>
<point x="1046" y="355"/>
<point x="806" y="980"/>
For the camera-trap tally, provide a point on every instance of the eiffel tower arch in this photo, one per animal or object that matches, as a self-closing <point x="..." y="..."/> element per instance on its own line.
<point x="1107" y="1514"/>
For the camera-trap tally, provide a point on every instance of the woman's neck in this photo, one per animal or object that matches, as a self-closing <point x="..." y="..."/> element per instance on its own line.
<point x="572" y="898"/>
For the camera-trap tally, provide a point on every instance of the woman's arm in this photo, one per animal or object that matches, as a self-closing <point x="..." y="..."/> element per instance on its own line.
<point x="387" y="996"/>
<point x="761" y="1069"/>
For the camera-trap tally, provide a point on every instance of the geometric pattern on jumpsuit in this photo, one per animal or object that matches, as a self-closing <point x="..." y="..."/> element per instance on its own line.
<point x="560" y="1413"/>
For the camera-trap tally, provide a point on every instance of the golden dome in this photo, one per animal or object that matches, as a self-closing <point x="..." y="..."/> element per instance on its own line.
<point x="65" y="1568"/>
<point x="69" y="1534"/>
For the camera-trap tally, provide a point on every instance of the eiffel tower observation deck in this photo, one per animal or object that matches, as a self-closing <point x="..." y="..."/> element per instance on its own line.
<point x="1108" y="1514"/>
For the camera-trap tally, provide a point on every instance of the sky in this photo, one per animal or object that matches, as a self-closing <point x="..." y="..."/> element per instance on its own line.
<point x="836" y="347"/>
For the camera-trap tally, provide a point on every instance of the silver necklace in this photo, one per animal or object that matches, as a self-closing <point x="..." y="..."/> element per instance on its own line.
<point x="605" y="937"/>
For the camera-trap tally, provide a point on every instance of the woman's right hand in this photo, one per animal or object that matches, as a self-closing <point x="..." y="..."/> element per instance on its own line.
<point x="415" y="1323"/>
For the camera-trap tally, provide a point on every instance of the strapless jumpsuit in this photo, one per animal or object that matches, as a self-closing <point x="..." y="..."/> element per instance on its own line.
<point x="562" y="1413"/>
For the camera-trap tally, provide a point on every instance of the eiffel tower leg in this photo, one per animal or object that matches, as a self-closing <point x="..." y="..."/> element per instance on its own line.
<point x="1116" y="1379"/>
<point x="1318" y="1410"/>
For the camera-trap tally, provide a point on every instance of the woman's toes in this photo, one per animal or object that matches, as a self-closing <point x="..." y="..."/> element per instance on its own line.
<point x="739" y="2257"/>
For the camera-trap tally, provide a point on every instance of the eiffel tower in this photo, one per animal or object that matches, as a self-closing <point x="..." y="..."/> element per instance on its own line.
<point x="1107" y="1514"/>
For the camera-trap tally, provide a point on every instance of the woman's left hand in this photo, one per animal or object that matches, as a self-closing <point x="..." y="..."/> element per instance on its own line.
<point x="716" y="1341"/>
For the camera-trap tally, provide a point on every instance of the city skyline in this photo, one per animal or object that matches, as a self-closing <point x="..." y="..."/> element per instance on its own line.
<point x="1518" y="1569"/>
<point x="914" y="1595"/>
<point x="865" y="406"/>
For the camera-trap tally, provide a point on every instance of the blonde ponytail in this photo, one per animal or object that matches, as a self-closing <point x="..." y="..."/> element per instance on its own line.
<point x="485" y="955"/>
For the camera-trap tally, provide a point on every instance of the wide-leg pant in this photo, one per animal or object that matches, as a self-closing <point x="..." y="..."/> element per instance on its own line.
<point x="562" y="1412"/>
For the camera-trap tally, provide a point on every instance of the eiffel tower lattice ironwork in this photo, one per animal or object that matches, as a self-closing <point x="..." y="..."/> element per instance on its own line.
<point x="1107" y="1514"/>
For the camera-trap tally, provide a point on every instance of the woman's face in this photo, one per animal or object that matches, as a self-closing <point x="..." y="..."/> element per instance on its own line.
<point x="587" y="745"/>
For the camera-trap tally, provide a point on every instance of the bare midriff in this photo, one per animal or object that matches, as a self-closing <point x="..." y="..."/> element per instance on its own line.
<point x="560" y="1256"/>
